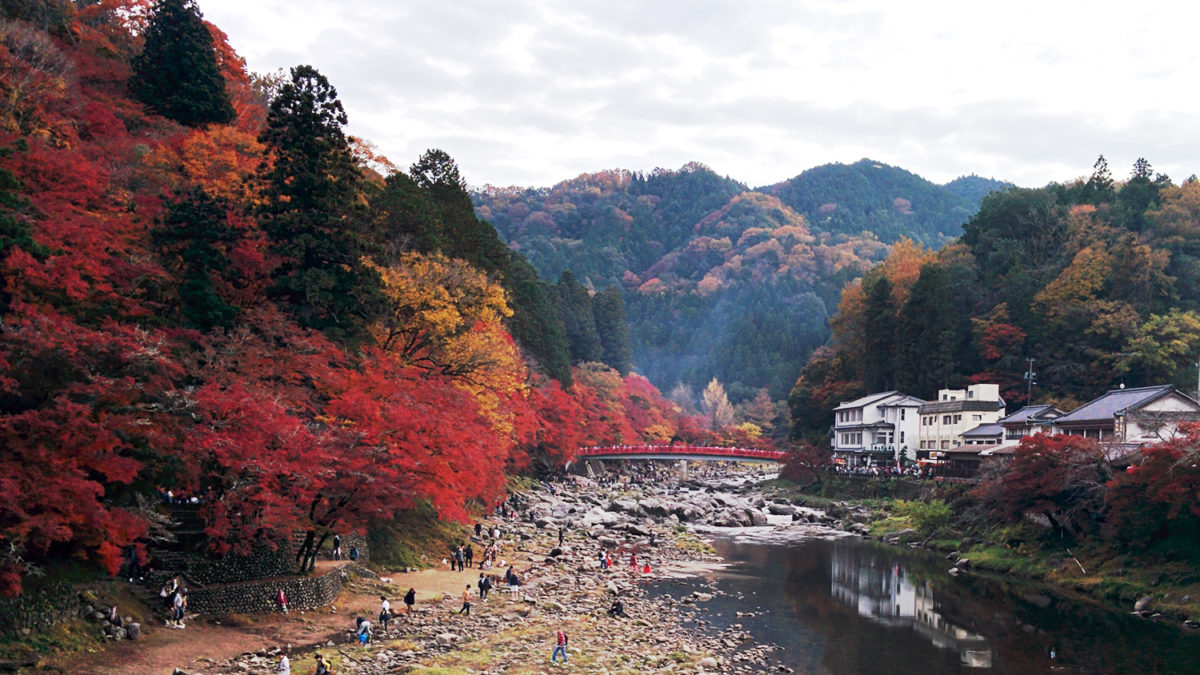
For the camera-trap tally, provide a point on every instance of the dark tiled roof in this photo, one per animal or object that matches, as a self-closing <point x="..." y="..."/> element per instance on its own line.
<point x="1105" y="408"/>
<point x="1032" y="413"/>
<point x="984" y="430"/>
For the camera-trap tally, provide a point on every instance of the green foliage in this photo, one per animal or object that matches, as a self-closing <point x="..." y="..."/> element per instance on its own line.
<point x="176" y="74"/>
<point x="932" y="339"/>
<point x="880" y="354"/>
<point x="609" y="310"/>
<point x="868" y="196"/>
<point x="579" y="319"/>
<point x="930" y="518"/>
<point x="535" y="323"/>
<point x="194" y="232"/>
<point x="311" y="211"/>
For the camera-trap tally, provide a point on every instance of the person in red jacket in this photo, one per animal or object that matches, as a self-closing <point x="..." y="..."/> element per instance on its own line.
<point x="560" y="646"/>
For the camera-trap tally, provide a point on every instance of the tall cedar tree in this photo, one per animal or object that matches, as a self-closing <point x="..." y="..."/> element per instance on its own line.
<point x="192" y="236"/>
<point x="880" y="326"/>
<point x="176" y="74"/>
<point x="310" y="197"/>
<point x="932" y="336"/>
<point x="461" y="234"/>
<point x="575" y="308"/>
<point x="609" y="308"/>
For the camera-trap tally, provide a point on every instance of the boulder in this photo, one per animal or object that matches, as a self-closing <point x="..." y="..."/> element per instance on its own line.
<point x="447" y="638"/>
<point x="757" y="517"/>
<point x="781" y="509"/>
<point x="1143" y="604"/>
<point x="134" y="631"/>
<point x="707" y="663"/>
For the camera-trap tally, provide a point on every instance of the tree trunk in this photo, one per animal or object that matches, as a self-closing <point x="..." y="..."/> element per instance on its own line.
<point x="302" y="555"/>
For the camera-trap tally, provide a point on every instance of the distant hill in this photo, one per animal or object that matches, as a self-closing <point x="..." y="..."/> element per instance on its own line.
<point x="721" y="281"/>
<point x="888" y="201"/>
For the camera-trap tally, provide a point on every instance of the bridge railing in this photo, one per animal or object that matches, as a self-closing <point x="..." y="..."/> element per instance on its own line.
<point x="732" y="453"/>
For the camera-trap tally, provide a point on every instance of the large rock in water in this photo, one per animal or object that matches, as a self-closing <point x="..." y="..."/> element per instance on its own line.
<point x="781" y="509"/>
<point x="756" y="517"/>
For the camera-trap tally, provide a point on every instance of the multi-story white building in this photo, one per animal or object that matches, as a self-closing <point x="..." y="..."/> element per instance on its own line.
<point x="956" y="411"/>
<point x="876" y="429"/>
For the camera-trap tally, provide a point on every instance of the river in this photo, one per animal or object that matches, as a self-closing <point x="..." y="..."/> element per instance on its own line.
<point x="848" y="605"/>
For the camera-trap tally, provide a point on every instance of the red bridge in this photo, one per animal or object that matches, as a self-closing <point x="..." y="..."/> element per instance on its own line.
<point x="701" y="452"/>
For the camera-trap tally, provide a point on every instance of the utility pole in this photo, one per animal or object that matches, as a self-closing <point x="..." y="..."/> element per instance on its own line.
<point x="1029" y="375"/>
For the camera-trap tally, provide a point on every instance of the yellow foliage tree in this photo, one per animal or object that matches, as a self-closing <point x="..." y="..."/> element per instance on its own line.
<point x="444" y="316"/>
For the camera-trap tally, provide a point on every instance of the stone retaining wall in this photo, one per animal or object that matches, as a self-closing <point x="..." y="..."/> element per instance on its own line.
<point x="38" y="609"/>
<point x="254" y="597"/>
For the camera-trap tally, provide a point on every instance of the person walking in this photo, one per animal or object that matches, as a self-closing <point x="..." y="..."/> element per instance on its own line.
<point x="180" y="605"/>
<point x="560" y="646"/>
<point x="337" y="547"/>
<point x="410" y="599"/>
<point x="281" y="599"/>
<point x="466" y="596"/>
<point x="470" y="553"/>
<point x="478" y="530"/>
<point x="285" y="666"/>
<point x="323" y="667"/>
<point x="385" y="612"/>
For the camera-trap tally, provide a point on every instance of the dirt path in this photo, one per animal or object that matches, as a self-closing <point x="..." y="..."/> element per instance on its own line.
<point x="205" y="641"/>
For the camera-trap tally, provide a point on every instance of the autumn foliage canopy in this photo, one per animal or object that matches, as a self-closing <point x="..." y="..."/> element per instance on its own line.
<point x="187" y="306"/>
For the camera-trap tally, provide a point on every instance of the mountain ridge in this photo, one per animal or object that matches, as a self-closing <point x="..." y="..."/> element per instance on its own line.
<point x="702" y="258"/>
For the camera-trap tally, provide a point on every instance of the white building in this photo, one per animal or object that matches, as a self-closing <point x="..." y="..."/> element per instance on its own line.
<point x="956" y="411"/>
<point x="876" y="429"/>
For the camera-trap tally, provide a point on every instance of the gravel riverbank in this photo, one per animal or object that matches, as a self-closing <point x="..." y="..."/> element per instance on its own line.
<point x="563" y="586"/>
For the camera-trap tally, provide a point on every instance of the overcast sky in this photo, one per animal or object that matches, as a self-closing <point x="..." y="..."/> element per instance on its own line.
<point x="532" y="92"/>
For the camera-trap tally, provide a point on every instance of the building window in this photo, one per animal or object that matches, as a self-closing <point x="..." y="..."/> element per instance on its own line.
<point x="902" y="413"/>
<point x="957" y="419"/>
<point x="945" y="445"/>
<point x="946" y="419"/>
<point x="976" y="417"/>
<point x="901" y="438"/>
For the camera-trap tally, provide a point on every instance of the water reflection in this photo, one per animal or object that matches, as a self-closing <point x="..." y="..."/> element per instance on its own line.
<point x="855" y="606"/>
<point x="881" y="590"/>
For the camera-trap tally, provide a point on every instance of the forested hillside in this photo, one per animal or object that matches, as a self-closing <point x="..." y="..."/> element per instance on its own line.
<point x="720" y="281"/>
<point x="207" y="287"/>
<point x="1096" y="280"/>
<point x="887" y="201"/>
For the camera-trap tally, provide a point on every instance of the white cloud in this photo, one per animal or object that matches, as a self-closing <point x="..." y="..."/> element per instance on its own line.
<point x="532" y="92"/>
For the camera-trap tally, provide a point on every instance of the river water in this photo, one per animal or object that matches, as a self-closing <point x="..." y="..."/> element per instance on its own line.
<point x="848" y="605"/>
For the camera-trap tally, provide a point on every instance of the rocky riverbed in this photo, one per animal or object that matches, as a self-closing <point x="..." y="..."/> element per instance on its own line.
<point x="563" y="586"/>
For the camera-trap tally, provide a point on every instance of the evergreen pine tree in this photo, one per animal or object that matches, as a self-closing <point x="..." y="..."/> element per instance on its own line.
<point x="535" y="323"/>
<point x="932" y="336"/>
<point x="310" y="211"/>
<point x="176" y="74"/>
<point x="575" y="308"/>
<point x="193" y="230"/>
<point x="609" y="309"/>
<point x="880" y="327"/>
